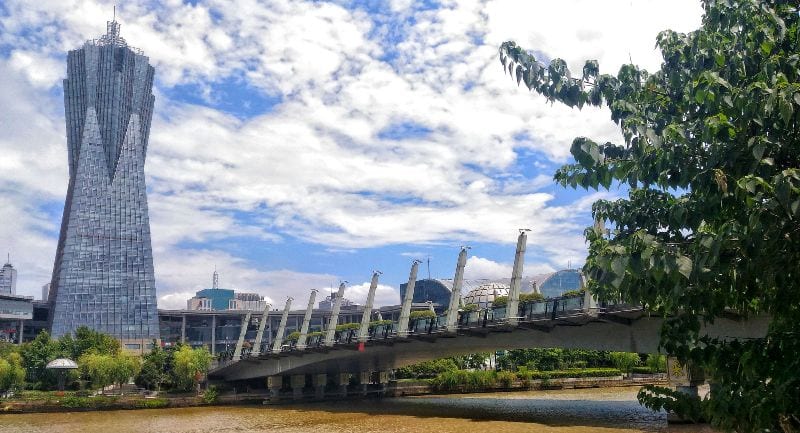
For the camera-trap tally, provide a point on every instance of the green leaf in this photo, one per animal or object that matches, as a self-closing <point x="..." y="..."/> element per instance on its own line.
<point x="684" y="266"/>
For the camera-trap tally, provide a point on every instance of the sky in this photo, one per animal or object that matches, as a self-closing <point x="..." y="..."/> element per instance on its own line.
<point x="298" y="144"/>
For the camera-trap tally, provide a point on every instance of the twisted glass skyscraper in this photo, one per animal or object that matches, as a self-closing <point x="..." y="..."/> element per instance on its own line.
<point x="103" y="272"/>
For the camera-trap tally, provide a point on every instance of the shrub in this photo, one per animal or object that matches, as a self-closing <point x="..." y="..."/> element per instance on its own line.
<point x="525" y="375"/>
<point x="293" y="336"/>
<point x="657" y="363"/>
<point x="422" y="314"/>
<point x="506" y="378"/>
<point x="211" y="395"/>
<point x="469" y="308"/>
<point x="500" y="301"/>
<point x="588" y="372"/>
<point x="625" y="361"/>
<point x="347" y="326"/>
<point x="462" y="380"/>
<point x="573" y="293"/>
<point x="152" y="403"/>
<point x="376" y="323"/>
<point x="426" y="369"/>
<point x="531" y="297"/>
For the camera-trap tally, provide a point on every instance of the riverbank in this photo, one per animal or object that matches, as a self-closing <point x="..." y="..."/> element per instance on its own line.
<point x="53" y="402"/>
<point x="410" y="387"/>
<point x="610" y="410"/>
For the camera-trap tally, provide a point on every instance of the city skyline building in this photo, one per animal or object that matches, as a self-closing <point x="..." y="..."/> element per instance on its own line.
<point x="8" y="278"/>
<point x="219" y="299"/>
<point x="103" y="270"/>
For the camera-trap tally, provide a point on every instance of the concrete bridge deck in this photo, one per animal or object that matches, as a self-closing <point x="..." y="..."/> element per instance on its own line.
<point x="570" y="324"/>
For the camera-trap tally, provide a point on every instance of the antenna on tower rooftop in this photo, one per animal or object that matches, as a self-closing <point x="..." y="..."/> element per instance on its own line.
<point x="115" y="13"/>
<point x="429" y="267"/>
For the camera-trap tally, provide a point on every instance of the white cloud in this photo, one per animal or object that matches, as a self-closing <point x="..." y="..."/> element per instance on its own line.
<point x="317" y="166"/>
<point x="384" y="295"/>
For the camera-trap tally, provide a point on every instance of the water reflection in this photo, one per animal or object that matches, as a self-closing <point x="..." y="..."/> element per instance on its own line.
<point x="572" y="411"/>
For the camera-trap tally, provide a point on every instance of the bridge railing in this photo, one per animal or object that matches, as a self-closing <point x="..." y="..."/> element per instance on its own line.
<point x="382" y="331"/>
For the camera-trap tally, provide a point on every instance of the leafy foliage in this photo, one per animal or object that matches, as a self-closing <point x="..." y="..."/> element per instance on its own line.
<point x="211" y="395"/>
<point x="88" y="340"/>
<point x="530" y="297"/>
<point x="189" y="366"/>
<point x="12" y="374"/>
<point x="711" y="160"/>
<point x="422" y="314"/>
<point x="35" y="356"/>
<point x="155" y="368"/>
<point x="625" y="361"/>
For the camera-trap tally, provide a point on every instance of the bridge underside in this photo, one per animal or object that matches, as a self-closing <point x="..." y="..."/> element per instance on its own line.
<point x="630" y="331"/>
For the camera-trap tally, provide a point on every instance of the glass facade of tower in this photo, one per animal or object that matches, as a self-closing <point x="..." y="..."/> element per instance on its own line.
<point x="103" y="272"/>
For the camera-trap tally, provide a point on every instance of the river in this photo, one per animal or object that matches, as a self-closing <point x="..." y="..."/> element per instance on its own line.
<point x="608" y="410"/>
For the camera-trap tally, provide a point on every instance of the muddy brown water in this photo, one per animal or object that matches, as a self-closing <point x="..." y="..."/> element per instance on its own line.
<point x="609" y="410"/>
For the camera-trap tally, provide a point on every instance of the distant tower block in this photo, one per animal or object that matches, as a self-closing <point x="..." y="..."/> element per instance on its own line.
<point x="103" y="272"/>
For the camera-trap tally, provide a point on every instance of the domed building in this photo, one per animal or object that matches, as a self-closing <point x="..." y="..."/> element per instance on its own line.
<point x="556" y="283"/>
<point x="485" y="294"/>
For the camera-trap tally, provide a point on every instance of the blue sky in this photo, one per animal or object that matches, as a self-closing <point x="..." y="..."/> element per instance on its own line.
<point x="297" y="144"/>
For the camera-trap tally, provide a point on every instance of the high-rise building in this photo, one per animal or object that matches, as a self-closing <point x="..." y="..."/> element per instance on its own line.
<point x="8" y="279"/>
<point x="103" y="272"/>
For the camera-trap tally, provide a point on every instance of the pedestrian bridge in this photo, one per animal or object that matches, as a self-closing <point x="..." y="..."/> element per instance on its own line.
<point x="567" y="322"/>
<point x="576" y="321"/>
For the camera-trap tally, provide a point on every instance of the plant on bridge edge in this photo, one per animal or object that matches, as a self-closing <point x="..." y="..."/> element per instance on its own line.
<point x="711" y="160"/>
<point x="421" y="314"/>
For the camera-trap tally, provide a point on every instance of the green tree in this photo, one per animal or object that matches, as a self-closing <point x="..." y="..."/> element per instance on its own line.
<point x="155" y="368"/>
<point x="189" y="365"/>
<point x="35" y="356"/>
<point x="99" y="369"/>
<point x="711" y="160"/>
<point x="12" y="374"/>
<point x="86" y="340"/>
<point x="124" y="367"/>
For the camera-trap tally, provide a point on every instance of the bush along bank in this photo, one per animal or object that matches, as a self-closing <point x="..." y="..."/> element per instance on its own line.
<point x="71" y="401"/>
<point x="485" y="381"/>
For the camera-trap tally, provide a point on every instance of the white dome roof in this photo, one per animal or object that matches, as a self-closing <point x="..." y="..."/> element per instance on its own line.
<point x="62" y="363"/>
<point x="484" y="294"/>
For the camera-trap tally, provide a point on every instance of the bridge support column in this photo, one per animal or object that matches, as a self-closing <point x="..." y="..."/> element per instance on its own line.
<point x="363" y="332"/>
<point x="301" y="341"/>
<point x="276" y="345"/>
<point x="320" y="381"/>
<point x="330" y="333"/>
<point x="363" y="381"/>
<point x="383" y="380"/>
<point x="298" y="383"/>
<point x="274" y="383"/>
<point x="237" y="353"/>
<point x="262" y="324"/>
<point x="408" y="299"/>
<point x="343" y="380"/>
<point x="455" y="296"/>
<point x="512" y="307"/>
<point x="685" y="379"/>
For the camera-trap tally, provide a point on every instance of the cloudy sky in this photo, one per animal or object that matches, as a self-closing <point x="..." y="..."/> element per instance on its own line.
<point x="296" y="144"/>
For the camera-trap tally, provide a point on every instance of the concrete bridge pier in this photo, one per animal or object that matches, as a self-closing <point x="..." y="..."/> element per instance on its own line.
<point x="298" y="382"/>
<point x="364" y="378"/>
<point x="320" y="380"/>
<point x="383" y="380"/>
<point x="343" y="380"/>
<point x="274" y="383"/>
